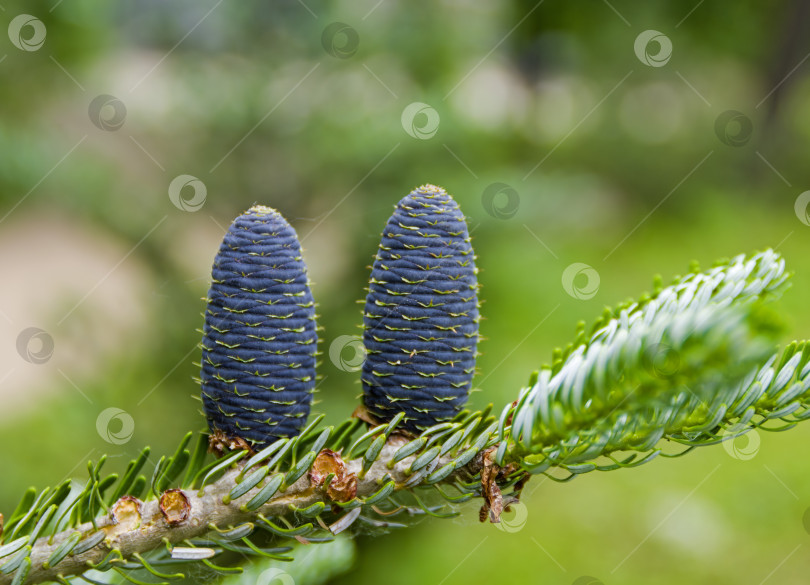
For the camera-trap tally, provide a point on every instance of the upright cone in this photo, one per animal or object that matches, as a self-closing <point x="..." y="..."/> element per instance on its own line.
<point x="421" y="313"/>
<point x="259" y="340"/>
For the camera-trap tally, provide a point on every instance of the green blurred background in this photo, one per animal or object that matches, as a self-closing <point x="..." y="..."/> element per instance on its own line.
<point x="564" y="138"/>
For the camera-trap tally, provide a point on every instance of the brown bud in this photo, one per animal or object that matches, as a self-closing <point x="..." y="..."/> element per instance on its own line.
<point x="219" y="444"/>
<point x="493" y="498"/>
<point x="126" y="516"/>
<point x="343" y="486"/>
<point x="174" y="506"/>
<point x="127" y="512"/>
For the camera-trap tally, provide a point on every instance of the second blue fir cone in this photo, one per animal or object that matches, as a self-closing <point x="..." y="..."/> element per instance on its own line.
<point x="421" y="314"/>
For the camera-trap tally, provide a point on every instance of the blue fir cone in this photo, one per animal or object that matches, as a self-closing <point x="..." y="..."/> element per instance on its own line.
<point x="259" y="339"/>
<point x="421" y="314"/>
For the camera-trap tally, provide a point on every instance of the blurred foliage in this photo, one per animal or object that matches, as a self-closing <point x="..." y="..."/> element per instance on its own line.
<point x="245" y="97"/>
<point x="311" y="565"/>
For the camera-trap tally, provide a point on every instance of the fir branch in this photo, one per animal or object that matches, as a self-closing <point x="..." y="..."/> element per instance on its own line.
<point x="649" y="368"/>
<point x="445" y="457"/>
<point x="606" y="403"/>
<point x="223" y="515"/>
<point x="777" y="391"/>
